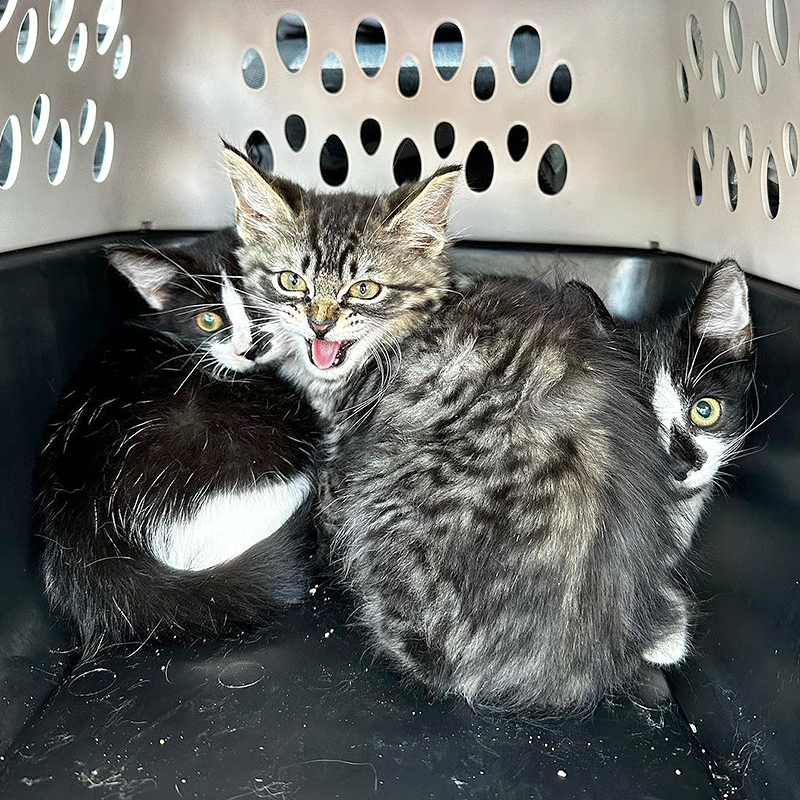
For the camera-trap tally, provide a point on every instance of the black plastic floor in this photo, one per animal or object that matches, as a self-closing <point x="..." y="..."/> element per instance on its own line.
<point x="302" y="711"/>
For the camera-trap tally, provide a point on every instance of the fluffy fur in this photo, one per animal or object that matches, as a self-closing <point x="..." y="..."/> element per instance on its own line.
<point x="177" y="479"/>
<point x="501" y="514"/>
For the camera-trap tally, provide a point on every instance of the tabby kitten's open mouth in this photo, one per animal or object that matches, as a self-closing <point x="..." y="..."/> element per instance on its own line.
<point x="325" y="353"/>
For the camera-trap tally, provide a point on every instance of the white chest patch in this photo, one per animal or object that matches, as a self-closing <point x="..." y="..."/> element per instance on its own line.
<point x="228" y="523"/>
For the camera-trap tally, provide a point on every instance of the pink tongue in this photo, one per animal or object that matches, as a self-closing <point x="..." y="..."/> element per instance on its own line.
<point x="323" y="352"/>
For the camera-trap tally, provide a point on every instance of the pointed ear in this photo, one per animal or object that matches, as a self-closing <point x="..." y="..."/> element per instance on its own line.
<point x="721" y="310"/>
<point x="261" y="209"/>
<point x="148" y="271"/>
<point x="591" y="300"/>
<point x="421" y="215"/>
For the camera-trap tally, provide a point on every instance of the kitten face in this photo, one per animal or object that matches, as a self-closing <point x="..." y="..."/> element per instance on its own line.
<point x="344" y="276"/>
<point x="701" y="371"/>
<point x="197" y="294"/>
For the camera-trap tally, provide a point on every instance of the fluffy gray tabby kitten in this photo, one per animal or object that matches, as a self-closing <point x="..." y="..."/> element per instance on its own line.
<point x="500" y="508"/>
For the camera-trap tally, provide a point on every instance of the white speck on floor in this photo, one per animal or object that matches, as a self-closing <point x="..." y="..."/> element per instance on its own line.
<point x="561" y="773"/>
<point x="459" y="784"/>
<point x="677" y="772"/>
<point x="692" y="727"/>
<point x="313" y="590"/>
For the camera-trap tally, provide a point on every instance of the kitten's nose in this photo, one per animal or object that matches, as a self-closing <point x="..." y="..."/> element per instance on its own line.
<point x="686" y="455"/>
<point x="321" y="327"/>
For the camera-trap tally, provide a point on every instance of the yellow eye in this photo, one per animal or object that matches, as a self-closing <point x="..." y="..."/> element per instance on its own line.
<point x="292" y="282"/>
<point x="364" y="290"/>
<point x="208" y="321"/>
<point x="705" y="412"/>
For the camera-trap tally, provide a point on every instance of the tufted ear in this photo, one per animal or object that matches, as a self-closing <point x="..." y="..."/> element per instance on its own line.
<point x="420" y="211"/>
<point x="721" y="310"/>
<point x="263" y="207"/>
<point x="149" y="271"/>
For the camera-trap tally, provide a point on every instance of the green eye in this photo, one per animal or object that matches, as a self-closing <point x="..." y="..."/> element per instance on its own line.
<point x="208" y="321"/>
<point x="364" y="290"/>
<point x="705" y="412"/>
<point x="292" y="282"/>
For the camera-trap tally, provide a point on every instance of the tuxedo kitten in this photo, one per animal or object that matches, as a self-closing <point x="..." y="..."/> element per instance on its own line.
<point x="345" y="276"/>
<point x="501" y="515"/>
<point x="176" y="480"/>
<point x="696" y="371"/>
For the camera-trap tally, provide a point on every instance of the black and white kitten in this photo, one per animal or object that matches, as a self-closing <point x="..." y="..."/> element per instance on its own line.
<point x="696" y="370"/>
<point x="177" y="479"/>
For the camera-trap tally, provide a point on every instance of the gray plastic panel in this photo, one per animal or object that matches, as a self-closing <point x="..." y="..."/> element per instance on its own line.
<point x="625" y="130"/>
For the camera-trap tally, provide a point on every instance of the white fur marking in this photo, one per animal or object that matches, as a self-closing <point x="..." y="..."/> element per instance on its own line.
<point x="241" y="336"/>
<point x="669" y="650"/>
<point x="228" y="523"/>
<point x="667" y="405"/>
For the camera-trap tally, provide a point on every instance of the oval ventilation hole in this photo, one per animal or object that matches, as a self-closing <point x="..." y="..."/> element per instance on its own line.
<point x="78" y="47"/>
<point x="370" y="136"/>
<point x="408" y="77"/>
<point x="759" y="69"/>
<point x="40" y="117"/>
<point x="122" y="58"/>
<point x="444" y="139"/>
<point x="58" y="17"/>
<point x="694" y="39"/>
<point x="778" y="24"/>
<point x="708" y="146"/>
<point x="517" y="142"/>
<point x="370" y="46"/>
<point x="108" y="17"/>
<point x="695" y="178"/>
<point x="484" y="82"/>
<point x="731" y="187"/>
<point x="7" y="8"/>
<point x="259" y="152"/>
<point x="771" y="189"/>
<point x="253" y="70"/>
<point x="407" y="163"/>
<point x="87" y="120"/>
<point x="479" y="169"/>
<point x="718" y="75"/>
<point x="10" y="152"/>
<point x="683" y="83"/>
<point x="26" y="37"/>
<point x="58" y="157"/>
<point x="552" y="170"/>
<point x="295" y="130"/>
<point x="447" y="49"/>
<point x="523" y="52"/>
<point x="733" y="35"/>
<point x="790" y="147"/>
<point x="291" y="38"/>
<point x="746" y="146"/>
<point x="560" y="84"/>
<point x="103" y="153"/>
<point x="332" y="73"/>
<point x="333" y="163"/>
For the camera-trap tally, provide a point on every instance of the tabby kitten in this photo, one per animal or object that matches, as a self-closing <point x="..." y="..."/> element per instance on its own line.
<point x="346" y="276"/>
<point x="176" y="483"/>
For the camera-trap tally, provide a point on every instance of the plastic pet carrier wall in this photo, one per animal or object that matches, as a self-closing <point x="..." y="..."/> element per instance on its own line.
<point x="668" y="125"/>
<point x="663" y="131"/>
